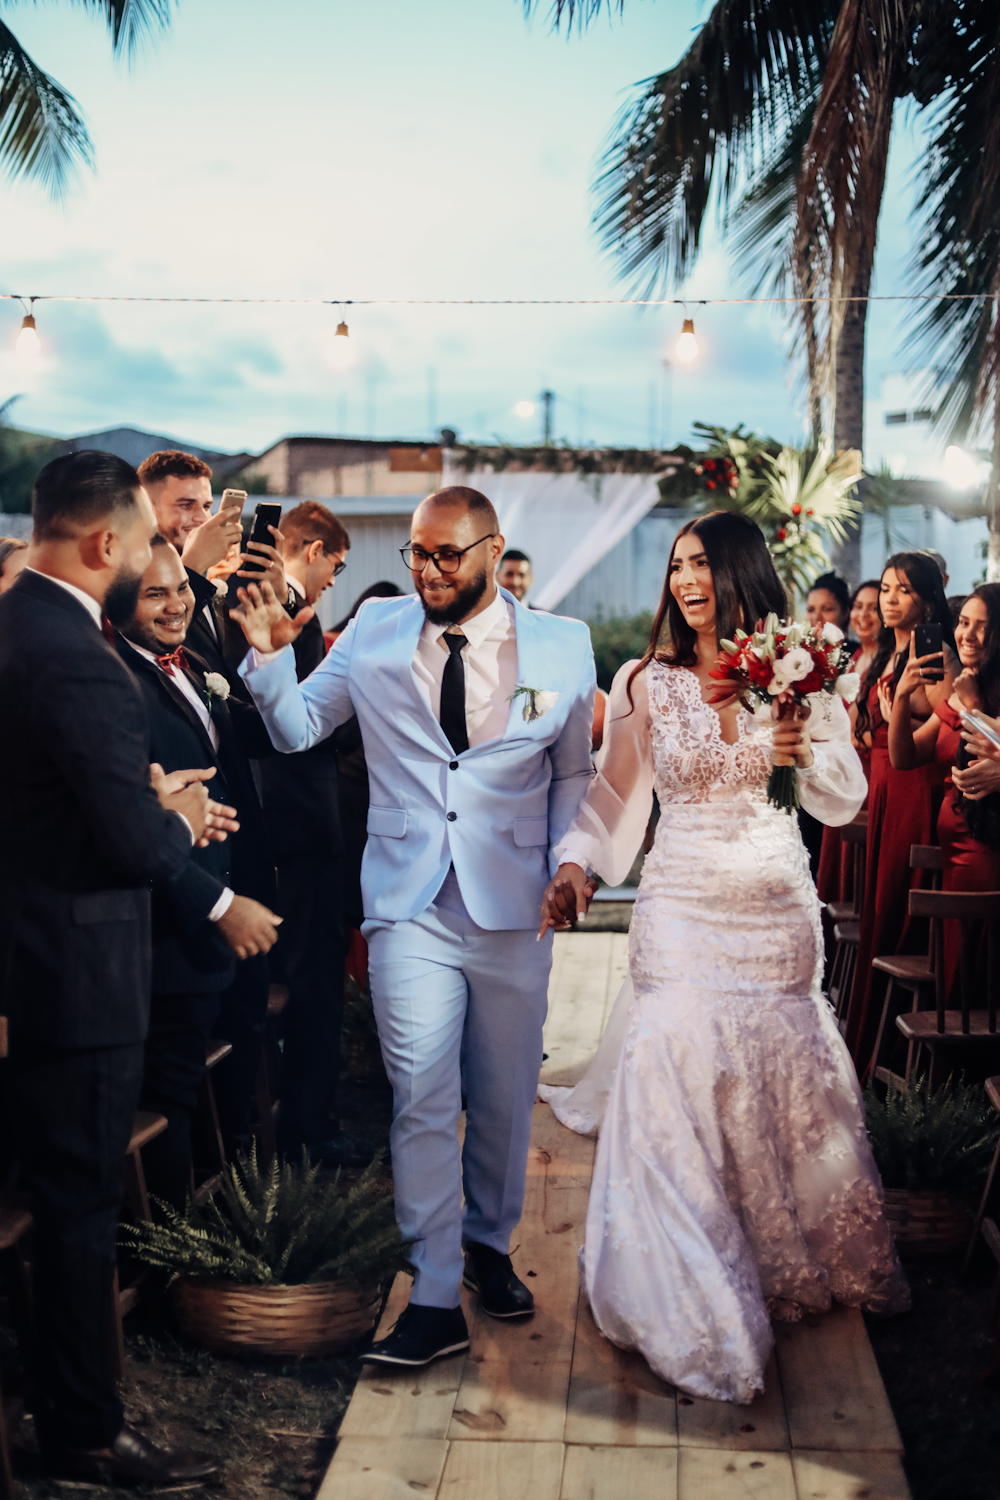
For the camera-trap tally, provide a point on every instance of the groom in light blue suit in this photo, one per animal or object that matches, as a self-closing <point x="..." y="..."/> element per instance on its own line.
<point x="476" y="719"/>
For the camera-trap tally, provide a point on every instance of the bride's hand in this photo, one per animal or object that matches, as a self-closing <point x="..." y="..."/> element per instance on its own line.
<point x="791" y="743"/>
<point x="567" y="898"/>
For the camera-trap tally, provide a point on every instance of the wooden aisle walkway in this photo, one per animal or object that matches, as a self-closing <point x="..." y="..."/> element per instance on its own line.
<point x="551" y="1411"/>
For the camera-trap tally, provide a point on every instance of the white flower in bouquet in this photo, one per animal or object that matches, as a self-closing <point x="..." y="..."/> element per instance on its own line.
<point x="847" y="686"/>
<point x="795" y="664"/>
<point x="216" y="686"/>
<point x="779" y="682"/>
<point x="832" y="633"/>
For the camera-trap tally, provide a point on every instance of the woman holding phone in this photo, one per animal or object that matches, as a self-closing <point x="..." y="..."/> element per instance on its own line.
<point x="902" y="804"/>
<point x="968" y="824"/>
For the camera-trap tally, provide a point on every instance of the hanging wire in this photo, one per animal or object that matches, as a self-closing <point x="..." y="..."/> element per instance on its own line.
<point x="501" y="301"/>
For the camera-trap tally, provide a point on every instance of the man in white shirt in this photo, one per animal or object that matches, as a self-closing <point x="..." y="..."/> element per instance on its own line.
<point x="475" y="716"/>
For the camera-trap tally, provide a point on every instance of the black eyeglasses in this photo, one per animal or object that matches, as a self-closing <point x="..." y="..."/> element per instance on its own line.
<point x="338" y="568"/>
<point x="445" y="559"/>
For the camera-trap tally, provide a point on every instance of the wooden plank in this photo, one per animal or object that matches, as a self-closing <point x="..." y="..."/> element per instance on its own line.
<point x="556" y="1150"/>
<point x="501" y="1471"/>
<point x="516" y="1378"/>
<point x="380" y="1469"/>
<point x="594" y="1473"/>
<point x="614" y="1397"/>
<point x="760" y="1427"/>
<point x="850" y="1476"/>
<point x="405" y="1403"/>
<point x="718" y="1474"/>
<point x="834" y="1396"/>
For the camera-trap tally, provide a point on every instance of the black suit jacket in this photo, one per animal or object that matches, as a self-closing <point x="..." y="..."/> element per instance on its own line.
<point x="82" y="834"/>
<point x="200" y="637"/>
<point x="300" y="792"/>
<point x="190" y="955"/>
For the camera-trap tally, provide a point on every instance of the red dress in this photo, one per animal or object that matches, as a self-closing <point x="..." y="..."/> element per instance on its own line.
<point x="968" y="864"/>
<point x="902" y="810"/>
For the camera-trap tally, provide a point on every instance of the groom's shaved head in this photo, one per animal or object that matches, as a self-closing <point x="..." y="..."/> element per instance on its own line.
<point x="460" y="497"/>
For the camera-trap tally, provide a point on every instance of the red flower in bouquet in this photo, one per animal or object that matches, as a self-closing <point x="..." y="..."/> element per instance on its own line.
<point x="783" y="663"/>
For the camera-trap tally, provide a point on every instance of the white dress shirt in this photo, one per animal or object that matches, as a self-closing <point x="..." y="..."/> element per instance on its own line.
<point x="490" y="668"/>
<point x="181" y="681"/>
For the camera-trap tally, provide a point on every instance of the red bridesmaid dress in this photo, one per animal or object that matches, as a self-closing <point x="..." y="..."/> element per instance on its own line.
<point x="902" y="810"/>
<point x="968" y="864"/>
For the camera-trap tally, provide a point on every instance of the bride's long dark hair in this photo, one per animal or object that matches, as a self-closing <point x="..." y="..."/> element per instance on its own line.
<point x="746" y="585"/>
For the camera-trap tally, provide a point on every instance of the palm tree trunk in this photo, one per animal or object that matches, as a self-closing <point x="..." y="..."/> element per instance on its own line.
<point x="849" y="387"/>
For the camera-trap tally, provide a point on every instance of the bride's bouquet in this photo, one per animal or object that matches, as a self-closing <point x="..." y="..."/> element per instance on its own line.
<point x="783" y="662"/>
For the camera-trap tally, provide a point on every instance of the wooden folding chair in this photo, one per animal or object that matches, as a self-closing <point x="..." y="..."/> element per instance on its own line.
<point x="911" y="973"/>
<point x="965" y="1038"/>
<point x="845" y="917"/>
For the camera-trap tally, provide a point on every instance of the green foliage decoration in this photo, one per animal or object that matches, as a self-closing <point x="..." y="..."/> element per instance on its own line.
<point x="941" y="1140"/>
<point x="22" y="455"/>
<point x="278" y="1226"/>
<point x="798" y="497"/>
<point x="617" y="641"/>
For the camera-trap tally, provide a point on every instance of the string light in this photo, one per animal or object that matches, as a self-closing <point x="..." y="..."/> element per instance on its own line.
<point x="687" y="345"/>
<point x="27" y="342"/>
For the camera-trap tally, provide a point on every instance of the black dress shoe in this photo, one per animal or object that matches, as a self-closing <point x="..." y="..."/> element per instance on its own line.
<point x="340" y="1151"/>
<point x="132" y="1459"/>
<point x="419" y="1335"/>
<point x="491" y="1274"/>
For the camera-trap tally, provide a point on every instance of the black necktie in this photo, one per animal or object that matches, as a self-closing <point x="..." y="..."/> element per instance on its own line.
<point x="453" y="695"/>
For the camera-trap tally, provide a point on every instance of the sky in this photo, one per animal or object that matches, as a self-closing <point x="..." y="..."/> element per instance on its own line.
<point x="384" y="150"/>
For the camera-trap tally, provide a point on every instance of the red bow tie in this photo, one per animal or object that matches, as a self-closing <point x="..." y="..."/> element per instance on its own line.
<point x="174" y="659"/>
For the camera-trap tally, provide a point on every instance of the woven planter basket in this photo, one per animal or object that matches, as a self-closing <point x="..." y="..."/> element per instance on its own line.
<point x="927" y="1223"/>
<point x="321" y="1317"/>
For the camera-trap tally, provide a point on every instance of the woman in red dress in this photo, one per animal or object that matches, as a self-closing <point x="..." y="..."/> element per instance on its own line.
<point x="968" y="823"/>
<point x="835" y="880"/>
<point x="902" y="805"/>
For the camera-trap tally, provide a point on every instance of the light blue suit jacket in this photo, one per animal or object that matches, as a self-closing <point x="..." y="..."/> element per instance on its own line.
<point x="505" y="806"/>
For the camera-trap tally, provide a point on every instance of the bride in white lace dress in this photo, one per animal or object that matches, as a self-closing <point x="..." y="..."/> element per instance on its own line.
<point x="734" y="1180"/>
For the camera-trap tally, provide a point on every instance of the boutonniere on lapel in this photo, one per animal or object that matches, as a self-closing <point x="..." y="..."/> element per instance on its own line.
<point x="221" y="586"/>
<point x="537" y="702"/>
<point x="216" y="686"/>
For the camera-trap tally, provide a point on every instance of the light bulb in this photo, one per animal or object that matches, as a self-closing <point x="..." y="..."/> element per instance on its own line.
<point x="342" y="331"/>
<point x="525" y="408"/>
<point x="687" y="344"/>
<point x="27" y="342"/>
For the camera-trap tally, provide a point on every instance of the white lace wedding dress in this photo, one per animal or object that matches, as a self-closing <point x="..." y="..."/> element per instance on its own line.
<point x="734" y="1180"/>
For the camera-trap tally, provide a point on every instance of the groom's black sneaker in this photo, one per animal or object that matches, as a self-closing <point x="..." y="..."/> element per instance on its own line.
<point x="491" y="1274"/>
<point x="419" y="1335"/>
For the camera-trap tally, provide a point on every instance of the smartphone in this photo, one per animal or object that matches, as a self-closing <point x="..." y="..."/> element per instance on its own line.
<point x="231" y="498"/>
<point x="973" y="721"/>
<point x="927" y="642"/>
<point x="266" y="514"/>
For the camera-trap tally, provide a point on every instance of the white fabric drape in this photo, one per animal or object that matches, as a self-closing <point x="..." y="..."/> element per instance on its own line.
<point x="565" y="522"/>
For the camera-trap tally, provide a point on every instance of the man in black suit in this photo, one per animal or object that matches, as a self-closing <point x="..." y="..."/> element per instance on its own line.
<point x="82" y="834"/>
<point x="180" y="488"/>
<point x="196" y="942"/>
<point x="301" y="805"/>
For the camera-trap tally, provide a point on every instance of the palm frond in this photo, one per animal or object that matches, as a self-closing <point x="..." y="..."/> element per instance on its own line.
<point x="704" y="126"/>
<point x="956" y="78"/>
<point x="131" y="22"/>
<point x="42" y="134"/>
<point x="580" y="11"/>
<point x="844" y="166"/>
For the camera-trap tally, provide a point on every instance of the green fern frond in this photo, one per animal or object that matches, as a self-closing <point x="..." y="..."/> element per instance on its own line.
<point x="942" y="1140"/>
<point x="280" y="1226"/>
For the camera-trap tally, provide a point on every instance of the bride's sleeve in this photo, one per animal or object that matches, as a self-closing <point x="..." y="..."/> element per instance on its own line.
<point x="607" y="831"/>
<point x="834" y="786"/>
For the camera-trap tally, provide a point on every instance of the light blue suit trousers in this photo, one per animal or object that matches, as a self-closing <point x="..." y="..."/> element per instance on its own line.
<point x="444" y="989"/>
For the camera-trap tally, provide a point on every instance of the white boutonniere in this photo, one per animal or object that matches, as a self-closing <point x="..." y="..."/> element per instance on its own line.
<point x="537" y="701"/>
<point x="216" y="686"/>
<point x="221" y="586"/>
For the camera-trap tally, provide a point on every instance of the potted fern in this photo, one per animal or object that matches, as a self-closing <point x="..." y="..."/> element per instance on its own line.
<point x="277" y="1261"/>
<point x="933" y="1150"/>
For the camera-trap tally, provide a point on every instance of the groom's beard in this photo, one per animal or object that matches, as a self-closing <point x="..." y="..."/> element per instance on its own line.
<point x="462" y="603"/>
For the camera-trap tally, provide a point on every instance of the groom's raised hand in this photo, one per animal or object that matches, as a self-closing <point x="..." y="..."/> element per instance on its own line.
<point x="567" y="898"/>
<point x="265" y="621"/>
